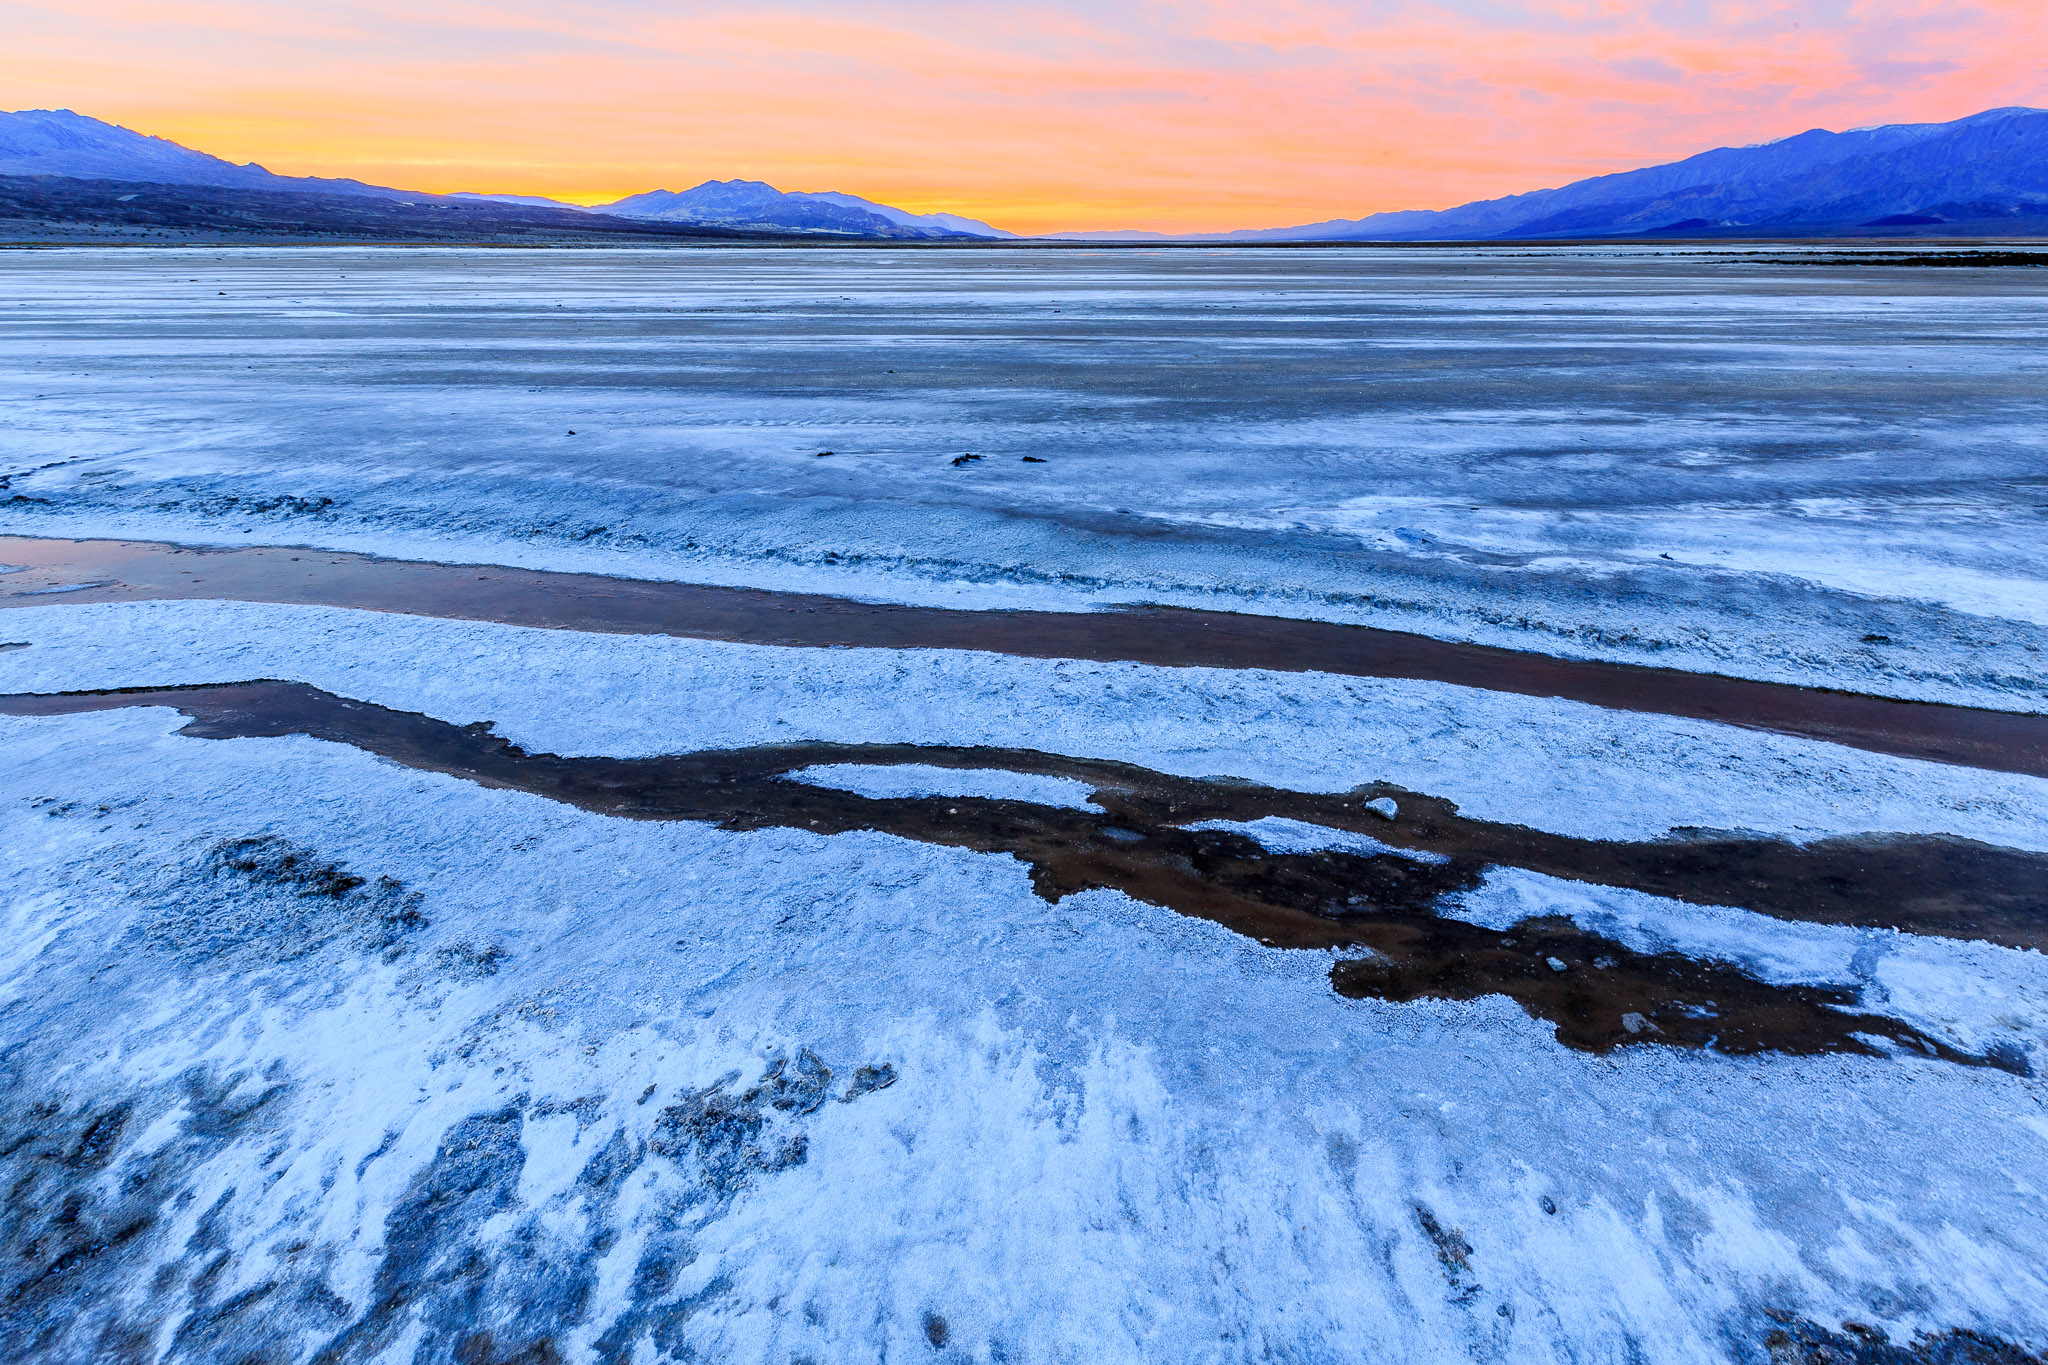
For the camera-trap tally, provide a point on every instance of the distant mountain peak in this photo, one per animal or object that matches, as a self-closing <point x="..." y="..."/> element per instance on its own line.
<point x="755" y="203"/>
<point x="63" y="142"/>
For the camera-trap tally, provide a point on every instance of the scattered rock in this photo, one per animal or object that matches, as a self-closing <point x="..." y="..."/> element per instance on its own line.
<point x="797" y="1086"/>
<point x="267" y="860"/>
<point x="959" y="460"/>
<point x="869" y="1078"/>
<point x="729" y="1136"/>
<point x="1547" y="1204"/>
<point x="585" y="1109"/>
<point x="1453" y="1253"/>
<point x="1556" y="964"/>
<point x="1383" y="806"/>
<point x="1033" y="459"/>
<point x="467" y="959"/>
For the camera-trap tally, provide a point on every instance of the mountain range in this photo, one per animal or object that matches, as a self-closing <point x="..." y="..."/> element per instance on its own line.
<point x="1978" y="171"/>
<point x="1986" y="175"/>
<point x="58" y="142"/>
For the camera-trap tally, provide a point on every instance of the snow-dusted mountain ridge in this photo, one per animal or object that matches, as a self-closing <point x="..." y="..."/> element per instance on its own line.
<point x="754" y="203"/>
<point x="58" y="142"/>
<point x="1977" y="171"/>
<point x="1985" y="175"/>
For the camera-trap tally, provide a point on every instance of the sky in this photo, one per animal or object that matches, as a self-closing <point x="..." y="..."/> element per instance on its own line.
<point x="1036" y="115"/>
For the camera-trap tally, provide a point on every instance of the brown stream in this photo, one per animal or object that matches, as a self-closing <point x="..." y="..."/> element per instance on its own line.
<point x="125" y="571"/>
<point x="1378" y="910"/>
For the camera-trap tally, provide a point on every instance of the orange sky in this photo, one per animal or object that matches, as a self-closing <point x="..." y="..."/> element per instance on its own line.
<point x="1033" y="114"/>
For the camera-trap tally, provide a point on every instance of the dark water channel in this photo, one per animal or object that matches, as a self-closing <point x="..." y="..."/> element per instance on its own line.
<point x="121" y="571"/>
<point x="1379" y="910"/>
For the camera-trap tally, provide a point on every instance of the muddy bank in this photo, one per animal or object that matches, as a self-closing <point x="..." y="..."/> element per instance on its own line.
<point x="1379" y="907"/>
<point x="122" y="571"/>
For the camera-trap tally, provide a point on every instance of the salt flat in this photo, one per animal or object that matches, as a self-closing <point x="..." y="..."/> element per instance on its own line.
<point x="321" y="1043"/>
<point x="1747" y="461"/>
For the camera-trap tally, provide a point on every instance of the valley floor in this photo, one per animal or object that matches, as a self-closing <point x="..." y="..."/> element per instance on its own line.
<point x="398" y="987"/>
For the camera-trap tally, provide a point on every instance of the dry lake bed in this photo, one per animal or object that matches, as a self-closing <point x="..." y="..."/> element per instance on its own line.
<point x="1024" y="804"/>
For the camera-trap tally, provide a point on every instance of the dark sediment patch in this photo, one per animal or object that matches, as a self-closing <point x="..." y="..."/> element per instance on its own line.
<point x="111" y="571"/>
<point x="1596" y="992"/>
<point x="265" y="900"/>
<point x="80" y="1230"/>
<point x="107" y="1255"/>
<point x="1796" y="1341"/>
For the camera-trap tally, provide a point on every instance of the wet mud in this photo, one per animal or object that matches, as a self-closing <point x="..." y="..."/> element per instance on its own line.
<point x="122" y="571"/>
<point x="1379" y="910"/>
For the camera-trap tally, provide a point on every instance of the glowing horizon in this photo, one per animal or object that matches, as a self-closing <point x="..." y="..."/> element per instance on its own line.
<point x="1047" y="115"/>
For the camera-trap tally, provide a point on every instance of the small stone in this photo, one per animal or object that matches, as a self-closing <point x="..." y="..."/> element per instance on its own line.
<point x="1383" y="806"/>
<point x="1635" y="1023"/>
<point x="1556" y="964"/>
<point x="1547" y="1204"/>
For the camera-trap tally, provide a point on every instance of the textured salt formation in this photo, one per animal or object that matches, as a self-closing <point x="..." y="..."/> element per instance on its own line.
<point x="1499" y="757"/>
<point x="1784" y="468"/>
<point x="581" y="1109"/>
